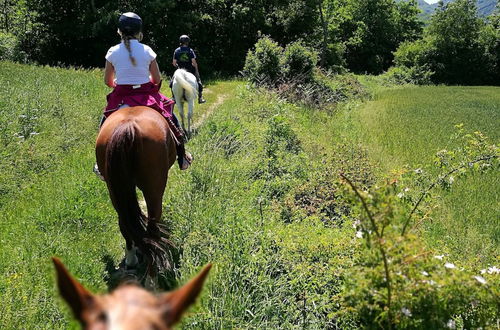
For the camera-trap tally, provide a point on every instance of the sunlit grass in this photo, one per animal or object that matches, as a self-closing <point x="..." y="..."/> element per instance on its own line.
<point x="267" y="273"/>
<point x="407" y="126"/>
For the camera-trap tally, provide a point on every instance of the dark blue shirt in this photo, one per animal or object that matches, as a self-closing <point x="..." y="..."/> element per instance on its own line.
<point x="184" y="56"/>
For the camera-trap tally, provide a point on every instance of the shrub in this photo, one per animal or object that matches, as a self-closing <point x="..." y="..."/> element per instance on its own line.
<point x="8" y="46"/>
<point x="262" y="65"/>
<point x="299" y="62"/>
<point x="418" y="75"/>
<point x="398" y="281"/>
<point x="412" y="63"/>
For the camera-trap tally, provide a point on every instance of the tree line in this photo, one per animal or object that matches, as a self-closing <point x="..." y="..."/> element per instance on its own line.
<point x="361" y="36"/>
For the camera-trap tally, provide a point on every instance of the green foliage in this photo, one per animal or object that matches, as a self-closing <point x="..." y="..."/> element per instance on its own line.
<point x="298" y="61"/>
<point x="262" y="65"/>
<point x="405" y="127"/>
<point x="262" y="203"/>
<point x="283" y="165"/>
<point x="222" y="31"/>
<point x="296" y="78"/>
<point x="412" y="63"/>
<point x="8" y="46"/>
<point x="321" y="197"/>
<point x="374" y="29"/>
<point x="399" y="282"/>
<point x="458" y="48"/>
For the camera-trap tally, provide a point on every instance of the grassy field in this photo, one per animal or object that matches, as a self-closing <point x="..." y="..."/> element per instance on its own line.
<point x="262" y="201"/>
<point x="407" y="126"/>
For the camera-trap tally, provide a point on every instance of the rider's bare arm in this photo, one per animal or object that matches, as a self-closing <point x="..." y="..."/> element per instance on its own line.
<point x="174" y="62"/>
<point x="195" y="65"/>
<point x="155" y="72"/>
<point x="109" y="75"/>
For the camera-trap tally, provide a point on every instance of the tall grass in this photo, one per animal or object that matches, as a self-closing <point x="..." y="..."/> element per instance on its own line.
<point x="262" y="202"/>
<point x="407" y="126"/>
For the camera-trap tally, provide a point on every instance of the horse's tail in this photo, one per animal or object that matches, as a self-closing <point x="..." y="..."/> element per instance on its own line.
<point x="121" y="167"/>
<point x="180" y="77"/>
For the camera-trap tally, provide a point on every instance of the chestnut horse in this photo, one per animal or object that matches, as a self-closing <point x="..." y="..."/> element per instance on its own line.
<point x="135" y="149"/>
<point x="129" y="307"/>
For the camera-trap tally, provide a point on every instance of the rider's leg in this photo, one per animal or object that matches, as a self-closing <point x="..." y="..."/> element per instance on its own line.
<point x="200" y="93"/>
<point x="183" y="158"/>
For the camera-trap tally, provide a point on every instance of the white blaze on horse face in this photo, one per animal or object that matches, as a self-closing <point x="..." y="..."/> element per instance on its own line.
<point x="130" y="307"/>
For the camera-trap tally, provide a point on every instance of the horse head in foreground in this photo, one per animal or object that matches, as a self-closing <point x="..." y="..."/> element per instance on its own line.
<point x="185" y="89"/>
<point x="135" y="149"/>
<point x="129" y="306"/>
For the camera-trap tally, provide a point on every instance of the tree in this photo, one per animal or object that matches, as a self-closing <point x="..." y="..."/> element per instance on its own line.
<point x="454" y="32"/>
<point x="374" y="31"/>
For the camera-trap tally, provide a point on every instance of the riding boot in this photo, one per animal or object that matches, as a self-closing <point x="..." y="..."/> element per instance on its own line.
<point x="182" y="155"/>
<point x="200" y="93"/>
<point x="184" y="158"/>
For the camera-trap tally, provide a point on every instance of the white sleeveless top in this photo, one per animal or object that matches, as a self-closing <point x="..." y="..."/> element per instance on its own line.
<point x="126" y="73"/>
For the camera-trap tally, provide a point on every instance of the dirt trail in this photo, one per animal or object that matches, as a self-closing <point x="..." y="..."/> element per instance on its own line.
<point x="197" y="124"/>
<point x="210" y="110"/>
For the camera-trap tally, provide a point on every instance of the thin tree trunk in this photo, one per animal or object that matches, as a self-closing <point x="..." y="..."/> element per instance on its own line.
<point x="325" y="34"/>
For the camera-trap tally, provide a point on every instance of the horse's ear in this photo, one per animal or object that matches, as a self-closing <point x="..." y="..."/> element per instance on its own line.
<point x="177" y="302"/>
<point x="77" y="297"/>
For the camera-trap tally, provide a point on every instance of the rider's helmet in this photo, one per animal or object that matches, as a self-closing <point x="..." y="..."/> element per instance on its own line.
<point x="130" y="23"/>
<point x="184" y="39"/>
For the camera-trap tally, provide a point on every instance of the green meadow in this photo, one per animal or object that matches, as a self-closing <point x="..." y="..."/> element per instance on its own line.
<point x="407" y="126"/>
<point x="263" y="202"/>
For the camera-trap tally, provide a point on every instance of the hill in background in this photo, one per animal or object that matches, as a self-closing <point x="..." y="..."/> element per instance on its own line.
<point x="484" y="7"/>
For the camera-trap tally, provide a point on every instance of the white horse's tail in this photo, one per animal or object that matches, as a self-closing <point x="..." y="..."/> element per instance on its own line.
<point x="190" y="90"/>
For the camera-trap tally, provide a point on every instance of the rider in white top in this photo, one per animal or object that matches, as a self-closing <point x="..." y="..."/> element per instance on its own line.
<point x="126" y="72"/>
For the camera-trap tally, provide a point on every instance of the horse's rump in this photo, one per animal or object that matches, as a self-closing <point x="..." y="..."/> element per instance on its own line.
<point x="187" y="82"/>
<point x="135" y="149"/>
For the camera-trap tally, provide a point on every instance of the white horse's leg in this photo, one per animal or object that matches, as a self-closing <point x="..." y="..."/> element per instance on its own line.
<point x="131" y="259"/>
<point x="180" y="106"/>
<point x="190" y="114"/>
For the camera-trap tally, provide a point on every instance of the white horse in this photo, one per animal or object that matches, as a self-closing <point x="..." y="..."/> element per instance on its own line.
<point x="185" y="89"/>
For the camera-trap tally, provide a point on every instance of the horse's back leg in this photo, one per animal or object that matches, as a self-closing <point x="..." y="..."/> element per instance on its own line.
<point x="180" y="106"/>
<point x="190" y="114"/>
<point x="152" y="178"/>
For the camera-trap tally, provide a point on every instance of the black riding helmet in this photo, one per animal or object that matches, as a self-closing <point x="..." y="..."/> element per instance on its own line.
<point x="130" y="23"/>
<point x="184" y="39"/>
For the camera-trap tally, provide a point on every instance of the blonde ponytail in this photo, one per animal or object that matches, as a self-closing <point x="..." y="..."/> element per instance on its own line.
<point x="126" y="41"/>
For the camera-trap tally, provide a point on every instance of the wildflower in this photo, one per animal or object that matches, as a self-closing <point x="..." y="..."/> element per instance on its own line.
<point x="406" y="189"/>
<point x="425" y="273"/>
<point x="451" y="324"/>
<point x="356" y="223"/>
<point x="359" y="234"/>
<point x="418" y="171"/>
<point x="400" y="195"/>
<point x="483" y="271"/>
<point x="451" y="179"/>
<point x="493" y="270"/>
<point x="406" y="311"/>
<point x="430" y="282"/>
<point x="449" y="265"/>
<point x="480" y="279"/>
<point x="439" y="257"/>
